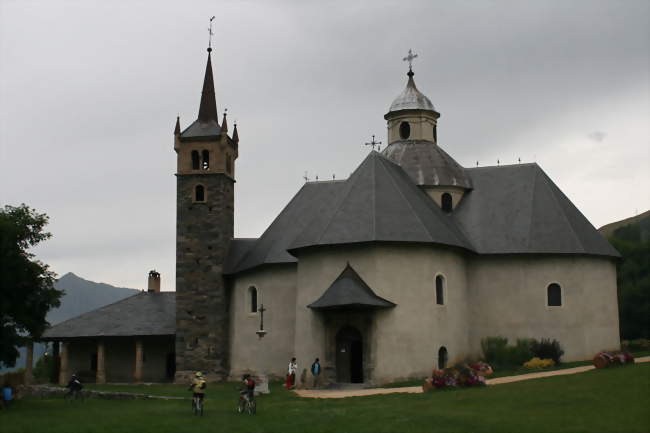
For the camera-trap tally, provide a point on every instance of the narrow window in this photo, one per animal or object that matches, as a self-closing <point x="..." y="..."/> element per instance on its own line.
<point x="442" y="358"/>
<point x="440" y="292"/>
<point x="195" y="160"/>
<point x="199" y="193"/>
<point x="554" y="295"/>
<point x="253" y="298"/>
<point x="435" y="134"/>
<point x="447" y="202"/>
<point x="205" y="155"/>
<point x="404" y="130"/>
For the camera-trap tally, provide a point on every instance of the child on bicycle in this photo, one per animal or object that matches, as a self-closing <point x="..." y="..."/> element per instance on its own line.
<point x="74" y="387"/>
<point x="249" y="383"/>
<point x="198" y="386"/>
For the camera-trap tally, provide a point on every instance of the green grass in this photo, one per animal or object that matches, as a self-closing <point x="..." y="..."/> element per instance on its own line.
<point x="611" y="400"/>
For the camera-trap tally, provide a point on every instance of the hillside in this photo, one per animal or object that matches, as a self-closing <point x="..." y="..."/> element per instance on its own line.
<point x="631" y="237"/>
<point x="80" y="297"/>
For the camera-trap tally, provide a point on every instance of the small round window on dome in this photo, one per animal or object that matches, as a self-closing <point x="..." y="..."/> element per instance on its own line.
<point x="404" y="130"/>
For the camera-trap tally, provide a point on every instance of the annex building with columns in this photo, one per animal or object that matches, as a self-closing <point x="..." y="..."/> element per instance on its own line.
<point x="404" y="266"/>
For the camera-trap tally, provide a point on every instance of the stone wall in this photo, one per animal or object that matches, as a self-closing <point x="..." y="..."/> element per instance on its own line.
<point x="203" y="234"/>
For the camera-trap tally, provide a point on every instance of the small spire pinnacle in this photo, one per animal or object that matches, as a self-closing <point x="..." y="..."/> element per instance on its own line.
<point x="224" y="122"/>
<point x="177" y="128"/>
<point x="235" y="134"/>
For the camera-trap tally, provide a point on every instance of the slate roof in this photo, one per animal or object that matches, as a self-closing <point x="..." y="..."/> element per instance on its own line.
<point x="379" y="202"/>
<point x="518" y="209"/>
<point x="427" y="164"/>
<point x="349" y="291"/>
<point x="200" y="129"/>
<point x="272" y="246"/>
<point x="143" y="314"/>
<point x="207" y="123"/>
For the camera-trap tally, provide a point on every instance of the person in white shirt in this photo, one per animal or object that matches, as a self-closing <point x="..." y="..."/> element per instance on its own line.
<point x="291" y="375"/>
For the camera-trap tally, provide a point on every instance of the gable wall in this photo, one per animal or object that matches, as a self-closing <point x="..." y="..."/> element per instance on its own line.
<point x="508" y="298"/>
<point x="276" y="289"/>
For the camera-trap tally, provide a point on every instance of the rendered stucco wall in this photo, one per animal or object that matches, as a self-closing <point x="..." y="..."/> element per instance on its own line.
<point x="508" y="298"/>
<point x="276" y="289"/>
<point x="400" y="342"/>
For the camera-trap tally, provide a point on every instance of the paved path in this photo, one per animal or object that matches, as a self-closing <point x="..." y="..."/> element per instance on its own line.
<point x="334" y="393"/>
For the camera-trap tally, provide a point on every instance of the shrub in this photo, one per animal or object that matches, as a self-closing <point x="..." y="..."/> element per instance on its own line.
<point x="497" y="352"/>
<point x="636" y="345"/>
<point x="547" y="349"/>
<point x="44" y="369"/>
<point x="538" y="364"/>
<point x="612" y="359"/>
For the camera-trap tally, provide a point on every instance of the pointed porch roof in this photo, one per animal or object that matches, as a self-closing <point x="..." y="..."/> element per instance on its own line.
<point x="349" y="292"/>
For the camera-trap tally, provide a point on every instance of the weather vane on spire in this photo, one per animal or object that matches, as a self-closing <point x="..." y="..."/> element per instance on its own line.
<point x="210" y="32"/>
<point x="410" y="58"/>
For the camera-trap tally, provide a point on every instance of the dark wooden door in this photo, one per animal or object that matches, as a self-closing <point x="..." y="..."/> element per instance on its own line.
<point x="349" y="356"/>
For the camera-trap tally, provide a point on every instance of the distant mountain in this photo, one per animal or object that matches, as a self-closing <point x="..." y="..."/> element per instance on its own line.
<point x="631" y="237"/>
<point x="80" y="297"/>
<point x="643" y="219"/>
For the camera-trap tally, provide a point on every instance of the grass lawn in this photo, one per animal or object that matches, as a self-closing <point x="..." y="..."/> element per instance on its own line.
<point x="613" y="400"/>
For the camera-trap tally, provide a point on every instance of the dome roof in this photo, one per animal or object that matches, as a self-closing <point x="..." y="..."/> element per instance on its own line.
<point x="427" y="164"/>
<point x="411" y="98"/>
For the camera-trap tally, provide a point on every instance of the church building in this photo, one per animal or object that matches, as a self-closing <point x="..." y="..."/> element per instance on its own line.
<point x="402" y="267"/>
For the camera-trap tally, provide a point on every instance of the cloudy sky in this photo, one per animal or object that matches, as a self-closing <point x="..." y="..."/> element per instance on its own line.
<point x="90" y="90"/>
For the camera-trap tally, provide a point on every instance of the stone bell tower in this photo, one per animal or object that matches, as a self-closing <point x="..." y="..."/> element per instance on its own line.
<point x="205" y="179"/>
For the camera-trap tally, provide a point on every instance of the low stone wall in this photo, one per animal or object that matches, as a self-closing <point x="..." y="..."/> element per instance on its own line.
<point x="45" y="391"/>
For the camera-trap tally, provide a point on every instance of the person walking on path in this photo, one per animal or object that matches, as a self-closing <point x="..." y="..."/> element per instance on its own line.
<point x="291" y="374"/>
<point x="315" y="371"/>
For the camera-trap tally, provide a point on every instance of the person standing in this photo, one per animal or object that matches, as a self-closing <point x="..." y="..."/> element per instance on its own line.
<point x="7" y="395"/>
<point x="291" y="374"/>
<point x="315" y="371"/>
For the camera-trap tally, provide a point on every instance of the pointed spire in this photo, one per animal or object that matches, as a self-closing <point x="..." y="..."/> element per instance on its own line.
<point x="235" y="135"/>
<point x="177" y="128"/>
<point x="208" y="107"/>
<point x="224" y="122"/>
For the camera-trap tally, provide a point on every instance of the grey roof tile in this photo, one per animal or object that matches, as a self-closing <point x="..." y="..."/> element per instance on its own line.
<point x="347" y="292"/>
<point x="379" y="202"/>
<point x="518" y="209"/>
<point x="142" y="314"/>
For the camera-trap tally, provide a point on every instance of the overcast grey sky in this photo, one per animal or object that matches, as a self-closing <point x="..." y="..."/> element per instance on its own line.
<point x="90" y="90"/>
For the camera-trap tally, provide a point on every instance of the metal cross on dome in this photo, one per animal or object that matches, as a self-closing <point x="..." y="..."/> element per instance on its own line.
<point x="374" y="143"/>
<point x="410" y="58"/>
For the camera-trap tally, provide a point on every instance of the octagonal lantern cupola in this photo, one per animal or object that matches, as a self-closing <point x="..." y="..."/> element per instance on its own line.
<point x="412" y="116"/>
<point x="412" y="123"/>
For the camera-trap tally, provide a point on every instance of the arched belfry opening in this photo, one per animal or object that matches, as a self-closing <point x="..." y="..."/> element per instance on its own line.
<point x="349" y="355"/>
<point x="195" y="160"/>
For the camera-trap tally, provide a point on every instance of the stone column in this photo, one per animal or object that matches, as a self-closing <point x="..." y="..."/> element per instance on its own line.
<point x="63" y="371"/>
<point x="137" y="375"/>
<point x="101" y="371"/>
<point x="29" y="363"/>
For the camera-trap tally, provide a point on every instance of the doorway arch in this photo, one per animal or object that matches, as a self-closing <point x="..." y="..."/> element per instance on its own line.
<point x="349" y="355"/>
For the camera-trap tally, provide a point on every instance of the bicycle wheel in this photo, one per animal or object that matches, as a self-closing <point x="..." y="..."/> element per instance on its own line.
<point x="240" y="405"/>
<point x="253" y="407"/>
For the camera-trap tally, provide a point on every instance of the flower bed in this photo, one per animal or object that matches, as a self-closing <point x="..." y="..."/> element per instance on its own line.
<point x="612" y="359"/>
<point x="538" y="364"/>
<point x="462" y="375"/>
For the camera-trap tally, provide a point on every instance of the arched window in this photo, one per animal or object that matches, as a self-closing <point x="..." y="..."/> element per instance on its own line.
<point x="554" y="295"/>
<point x="440" y="290"/>
<point x="205" y="155"/>
<point x="447" y="203"/>
<point x="442" y="358"/>
<point x="404" y="130"/>
<point x="228" y="164"/>
<point x="253" y="298"/>
<point x="199" y="193"/>
<point x="195" y="160"/>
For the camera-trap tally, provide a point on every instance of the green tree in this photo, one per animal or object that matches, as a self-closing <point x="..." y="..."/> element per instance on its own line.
<point x="26" y="284"/>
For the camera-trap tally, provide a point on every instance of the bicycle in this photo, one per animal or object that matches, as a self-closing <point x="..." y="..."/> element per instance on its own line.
<point x="197" y="405"/>
<point x="73" y="394"/>
<point x="246" y="404"/>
